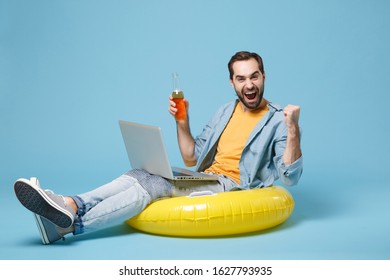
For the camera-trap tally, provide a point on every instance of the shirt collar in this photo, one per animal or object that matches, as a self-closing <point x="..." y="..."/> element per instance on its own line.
<point x="274" y="107"/>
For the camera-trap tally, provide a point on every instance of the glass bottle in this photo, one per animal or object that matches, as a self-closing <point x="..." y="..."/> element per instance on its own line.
<point x="178" y="98"/>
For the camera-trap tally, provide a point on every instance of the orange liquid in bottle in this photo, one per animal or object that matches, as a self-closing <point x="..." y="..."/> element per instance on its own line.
<point x="181" y="113"/>
<point x="178" y="98"/>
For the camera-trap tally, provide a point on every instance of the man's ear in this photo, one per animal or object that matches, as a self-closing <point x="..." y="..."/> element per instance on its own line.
<point x="231" y="82"/>
<point x="264" y="76"/>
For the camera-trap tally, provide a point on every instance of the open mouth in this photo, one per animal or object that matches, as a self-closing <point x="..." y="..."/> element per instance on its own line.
<point x="250" y="95"/>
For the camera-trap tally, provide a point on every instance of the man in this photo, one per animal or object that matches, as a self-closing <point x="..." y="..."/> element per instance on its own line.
<point x="249" y="143"/>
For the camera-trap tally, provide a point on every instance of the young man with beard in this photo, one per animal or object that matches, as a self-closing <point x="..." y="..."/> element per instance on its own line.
<point x="249" y="143"/>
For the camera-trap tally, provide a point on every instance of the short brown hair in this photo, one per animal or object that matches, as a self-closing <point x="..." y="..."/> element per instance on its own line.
<point x="243" y="55"/>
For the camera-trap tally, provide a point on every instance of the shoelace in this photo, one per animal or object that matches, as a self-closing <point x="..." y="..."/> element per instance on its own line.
<point x="62" y="197"/>
<point x="36" y="181"/>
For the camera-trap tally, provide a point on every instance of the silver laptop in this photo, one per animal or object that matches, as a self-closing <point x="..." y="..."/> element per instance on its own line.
<point x="146" y="150"/>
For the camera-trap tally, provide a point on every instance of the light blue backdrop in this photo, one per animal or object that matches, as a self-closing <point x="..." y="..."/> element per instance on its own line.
<point x="69" y="70"/>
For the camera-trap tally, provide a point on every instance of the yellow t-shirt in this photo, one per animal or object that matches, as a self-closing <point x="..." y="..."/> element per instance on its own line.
<point x="233" y="141"/>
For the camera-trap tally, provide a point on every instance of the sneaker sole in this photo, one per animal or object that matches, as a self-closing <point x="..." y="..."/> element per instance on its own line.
<point x="42" y="231"/>
<point x="36" y="200"/>
<point x="38" y="219"/>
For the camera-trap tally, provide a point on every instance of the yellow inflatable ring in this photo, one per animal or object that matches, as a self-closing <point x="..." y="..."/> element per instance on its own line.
<point x="218" y="214"/>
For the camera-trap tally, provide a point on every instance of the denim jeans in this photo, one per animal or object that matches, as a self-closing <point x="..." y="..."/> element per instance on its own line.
<point x="124" y="197"/>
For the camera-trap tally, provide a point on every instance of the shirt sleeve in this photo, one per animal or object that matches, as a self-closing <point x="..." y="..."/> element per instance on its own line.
<point x="290" y="174"/>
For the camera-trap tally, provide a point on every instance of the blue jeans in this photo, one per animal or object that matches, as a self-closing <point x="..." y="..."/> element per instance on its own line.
<point x="125" y="197"/>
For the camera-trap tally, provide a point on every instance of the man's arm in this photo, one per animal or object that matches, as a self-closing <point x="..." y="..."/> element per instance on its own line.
<point x="184" y="137"/>
<point x="293" y="145"/>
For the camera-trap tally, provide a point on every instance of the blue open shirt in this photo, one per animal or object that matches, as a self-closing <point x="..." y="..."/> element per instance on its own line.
<point x="261" y="161"/>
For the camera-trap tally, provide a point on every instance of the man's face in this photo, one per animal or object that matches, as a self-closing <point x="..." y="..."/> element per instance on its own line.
<point x="248" y="82"/>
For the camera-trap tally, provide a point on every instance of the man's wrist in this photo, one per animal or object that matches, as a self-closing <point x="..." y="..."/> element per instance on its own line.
<point x="293" y="130"/>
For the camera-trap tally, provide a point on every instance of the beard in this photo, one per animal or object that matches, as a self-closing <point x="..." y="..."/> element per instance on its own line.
<point x="251" y="101"/>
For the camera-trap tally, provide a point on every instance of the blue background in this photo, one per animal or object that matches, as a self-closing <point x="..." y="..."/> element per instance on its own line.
<point x="69" y="70"/>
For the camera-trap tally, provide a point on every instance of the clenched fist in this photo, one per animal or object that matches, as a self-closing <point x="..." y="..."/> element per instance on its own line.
<point x="291" y="115"/>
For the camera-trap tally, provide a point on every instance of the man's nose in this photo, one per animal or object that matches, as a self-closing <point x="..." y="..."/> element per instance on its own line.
<point x="248" y="84"/>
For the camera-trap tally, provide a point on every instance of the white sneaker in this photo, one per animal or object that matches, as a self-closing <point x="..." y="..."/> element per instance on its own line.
<point x="44" y="203"/>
